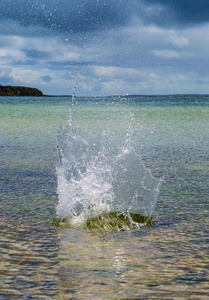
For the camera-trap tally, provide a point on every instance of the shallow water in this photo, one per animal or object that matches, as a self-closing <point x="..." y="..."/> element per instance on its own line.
<point x="169" y="260"/>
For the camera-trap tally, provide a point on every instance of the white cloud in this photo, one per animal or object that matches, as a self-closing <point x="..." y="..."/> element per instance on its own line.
<point x="166" y="53"/>
<point x="177" y="39"/>
<point x="28" y="76"/>
<point x="178" y="77"/>
<point x="48" y="50"/>
<point x="130" y="59"/>
<point x="199" y="40"/>
<point x="116" y="72"/>
<point x="8" y="55"/>
<point x="153" y="75"/>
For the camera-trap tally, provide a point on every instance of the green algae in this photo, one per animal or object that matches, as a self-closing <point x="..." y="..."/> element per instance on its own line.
<point x="107" y="221"/>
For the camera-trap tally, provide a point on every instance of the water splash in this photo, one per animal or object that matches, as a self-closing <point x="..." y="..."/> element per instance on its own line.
<point x="102" y="181"/>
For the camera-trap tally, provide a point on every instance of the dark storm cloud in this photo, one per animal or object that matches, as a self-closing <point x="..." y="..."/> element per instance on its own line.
<point x="82" y="16"/>
<point x="178" y="12"/>
<point x="66" y="15"/>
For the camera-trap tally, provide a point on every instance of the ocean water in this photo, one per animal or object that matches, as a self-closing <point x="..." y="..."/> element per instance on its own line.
<point x="164" y="139"/>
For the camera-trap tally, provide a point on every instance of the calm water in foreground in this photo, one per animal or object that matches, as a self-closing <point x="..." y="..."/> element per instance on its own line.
<point x="169" y="260"/>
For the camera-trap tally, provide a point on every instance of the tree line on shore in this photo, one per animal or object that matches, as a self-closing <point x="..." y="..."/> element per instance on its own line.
<point x="9" y="90"/>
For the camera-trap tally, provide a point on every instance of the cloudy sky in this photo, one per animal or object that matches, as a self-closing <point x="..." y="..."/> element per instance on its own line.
<point x="105" y="47"/>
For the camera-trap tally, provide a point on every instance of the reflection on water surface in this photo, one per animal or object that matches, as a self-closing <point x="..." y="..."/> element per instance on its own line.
<point x="156" y="262"/>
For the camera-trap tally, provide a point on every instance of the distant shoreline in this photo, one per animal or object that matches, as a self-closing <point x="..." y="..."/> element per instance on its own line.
<point x="9" y="90"/>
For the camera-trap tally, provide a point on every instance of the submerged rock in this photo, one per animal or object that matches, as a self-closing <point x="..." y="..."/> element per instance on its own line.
<point x="9" y="90"/>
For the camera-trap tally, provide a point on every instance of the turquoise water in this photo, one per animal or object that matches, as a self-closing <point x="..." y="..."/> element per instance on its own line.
<point x="168" y="260"/>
